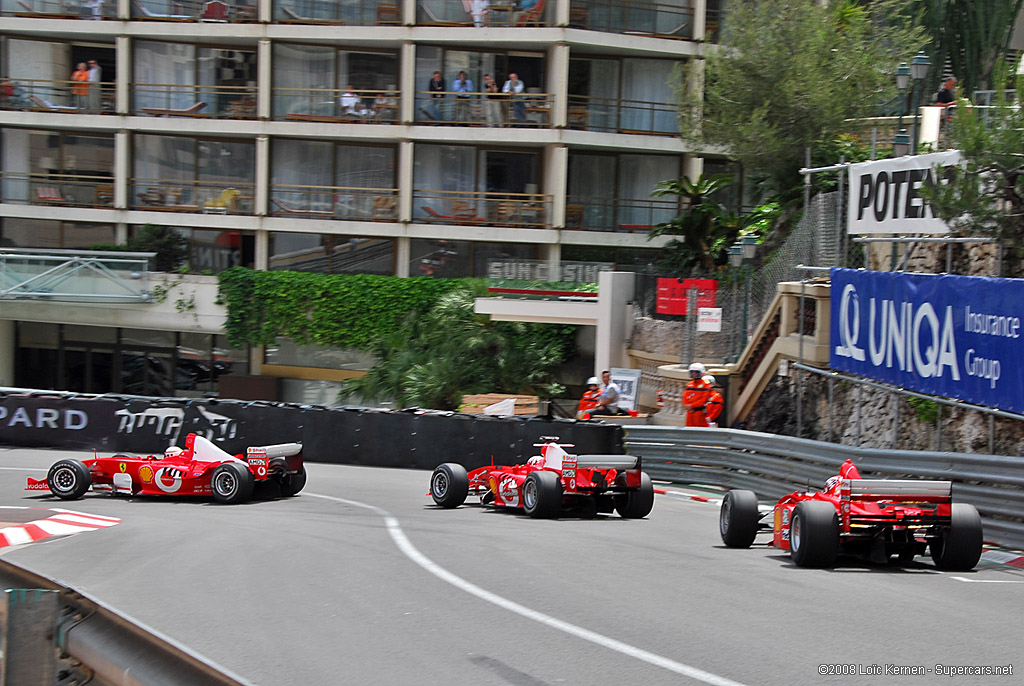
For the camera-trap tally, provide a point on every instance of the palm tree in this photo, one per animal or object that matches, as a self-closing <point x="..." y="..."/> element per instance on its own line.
<point x="699" y="223"/>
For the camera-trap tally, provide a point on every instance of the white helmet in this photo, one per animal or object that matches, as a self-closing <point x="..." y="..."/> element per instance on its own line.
<point x="697" y="367"/>
<point x="710" y="379"/>
<point x="593" y="381"/>
<point x="173" y="451"/>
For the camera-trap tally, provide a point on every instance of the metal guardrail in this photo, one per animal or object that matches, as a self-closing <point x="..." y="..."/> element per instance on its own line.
<point x="91" y="642"/>
<point x="773" y="465"/>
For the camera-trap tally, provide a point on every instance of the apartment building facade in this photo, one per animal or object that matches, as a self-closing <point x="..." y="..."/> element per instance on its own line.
<point x="316" y="135"/>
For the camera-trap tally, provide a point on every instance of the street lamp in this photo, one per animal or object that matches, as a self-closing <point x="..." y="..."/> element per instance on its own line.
<point x="918" y="71"/>
<point x="902" y="81"/>
<point x="901" y="143"/>
<point x="740" y="254"/>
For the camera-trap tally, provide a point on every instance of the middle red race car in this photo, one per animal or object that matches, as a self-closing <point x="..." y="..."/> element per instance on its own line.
<point x="551" y="482"/>
<point x="872" y="518"/>
<point x="201" y="468"/>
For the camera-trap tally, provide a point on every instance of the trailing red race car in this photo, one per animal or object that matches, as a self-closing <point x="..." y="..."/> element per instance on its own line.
<point x="200" y="469"/>
<point x="551" y="482"/>
<point x="873" y="518"/>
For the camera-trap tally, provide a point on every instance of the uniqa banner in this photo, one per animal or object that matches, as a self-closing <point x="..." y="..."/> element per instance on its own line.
<point x="885" y="194"/>
<point x="953" y="336"/>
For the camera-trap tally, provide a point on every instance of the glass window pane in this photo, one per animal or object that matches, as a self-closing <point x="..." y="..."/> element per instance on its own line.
<point x="331" y="254"/>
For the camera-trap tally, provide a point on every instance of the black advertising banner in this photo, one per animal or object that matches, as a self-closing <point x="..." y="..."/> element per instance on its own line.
<point x="343" y="435"/>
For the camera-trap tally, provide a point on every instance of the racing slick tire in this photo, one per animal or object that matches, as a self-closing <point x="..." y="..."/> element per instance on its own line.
<point x="68" y="479"/>
<point x="542" y="495"/>
<point x="232" y="483"/>
<point x="293" y="483"/>
<point x="449" y="485"/>
<point x="639" y="503"/>
<point x="958" y="548"/>
<point x="814" y="534"/>
<point x="738" y="518"/>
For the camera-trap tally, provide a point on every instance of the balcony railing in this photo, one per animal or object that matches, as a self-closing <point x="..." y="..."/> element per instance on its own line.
<point x="212" y="11"/>
<point x="178" y="100"/>
<point x="175" y="195"/>
<point x="531" y="110"/>
<point x="334" y="105"/>
<point x="619" y="115"/>
<point x="74" y="275"/>
<point x="519" y="210"/>
<point x="351" y="12"/>
<point x="66" y="190"/>
<point x="57" y="95"/>
<point x="334" y="202"/>
<point x="61" y="9"/>
<point x="617" y="214"/>
<point x="633" y="17"/>
<point x="481" y="13"/>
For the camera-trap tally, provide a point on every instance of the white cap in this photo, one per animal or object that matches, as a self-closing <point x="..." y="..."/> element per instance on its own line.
<point x="593" y="381"/>
<point x="710" y="379"/>
<point x="697" y="367"/>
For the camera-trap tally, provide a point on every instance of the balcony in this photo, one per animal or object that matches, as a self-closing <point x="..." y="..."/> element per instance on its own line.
<point x="617" y="214"/>
<point x="61" y="9"/>
<point x="207" y="197"/>
<point x="63" y="190"/>
<point x="529" y="110"/>
<point x="481" y="13"/>
<point x="636" y="18"/>
<point x="336" y="105"/>
<point x="350" y="12"/>
<point x="618" y="115"/>
<point x="58" y="95"/>
<point x="515" y="210"/>
<point x="180" y="100"/>
<point x="74" y="275"/>
<point x="212" y="11"/>
<point x="334" y="202"/>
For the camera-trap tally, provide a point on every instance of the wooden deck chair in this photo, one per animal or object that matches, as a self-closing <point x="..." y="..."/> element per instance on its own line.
<point x="162" y="17"/>
<point x="44" y="105"/>
<point x="223" y="203"/>
<point x="192" y="111"/>
<point x="532" y="16"/>
<point x="49" y="194"/>
<point x="384" y="207"/>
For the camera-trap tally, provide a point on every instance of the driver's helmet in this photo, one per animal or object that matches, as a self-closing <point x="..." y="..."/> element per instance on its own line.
<point x="536" y="460"/>
<point x="698" y="367"/>
<point x="173" y="451"/>
<point x="832" y="482"/>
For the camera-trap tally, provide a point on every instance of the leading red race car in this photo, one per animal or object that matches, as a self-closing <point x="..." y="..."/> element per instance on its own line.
<point x="873" y="518"/>
<point x="201" y="469"/>
<point x="551" y="482"/>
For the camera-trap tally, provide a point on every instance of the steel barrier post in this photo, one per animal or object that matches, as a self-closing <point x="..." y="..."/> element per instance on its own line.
<point x="28" y="622"/>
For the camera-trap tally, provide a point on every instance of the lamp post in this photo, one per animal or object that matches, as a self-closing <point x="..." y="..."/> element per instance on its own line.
<point x="902" y="81"/>
<point x="918" y="71"/>
<point x="739" y="255"/>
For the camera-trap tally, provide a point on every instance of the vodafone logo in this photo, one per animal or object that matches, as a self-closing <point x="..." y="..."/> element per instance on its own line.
<point x="168" y="479"/>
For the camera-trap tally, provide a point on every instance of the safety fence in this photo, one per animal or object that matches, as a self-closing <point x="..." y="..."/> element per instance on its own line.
<point x="48" y="630"/>
<point x="773" y="465"/>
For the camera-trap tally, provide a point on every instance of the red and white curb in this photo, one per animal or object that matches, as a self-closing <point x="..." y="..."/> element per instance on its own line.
<point x="689" y="496"/>
<point x="59" y="523"/>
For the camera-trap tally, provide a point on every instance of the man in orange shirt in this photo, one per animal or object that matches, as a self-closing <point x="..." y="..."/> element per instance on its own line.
<point x="590" y="399"/>
<point x="716" y="403"/>
<point x="695" y="396"/>
<point x="80" y="87"/>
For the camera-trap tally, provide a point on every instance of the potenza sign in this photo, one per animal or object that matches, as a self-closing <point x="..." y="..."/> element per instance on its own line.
<point x="885" y="194"/>
<point x="954" y="336"/>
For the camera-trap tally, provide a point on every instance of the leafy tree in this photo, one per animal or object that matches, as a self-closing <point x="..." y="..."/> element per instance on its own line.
<point x="433" y="360"/>
<point x="985" y="196"/>
<point x="789" y="73"/>
<point x="697" y="226"/>
<point x="171" y="247"/>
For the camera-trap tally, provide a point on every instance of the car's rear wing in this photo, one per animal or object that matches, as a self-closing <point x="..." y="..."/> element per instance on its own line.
<point x="896" y="491"/>
<point x="617" y="462"/>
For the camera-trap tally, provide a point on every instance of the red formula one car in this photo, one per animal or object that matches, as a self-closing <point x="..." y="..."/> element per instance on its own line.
<point x="873" y="518"/>
<point x="551" y="482"/>
<point x="200" y="469"/>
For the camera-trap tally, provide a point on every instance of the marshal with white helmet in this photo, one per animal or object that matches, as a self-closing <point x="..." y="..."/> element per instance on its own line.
<point x="201" y="468"/>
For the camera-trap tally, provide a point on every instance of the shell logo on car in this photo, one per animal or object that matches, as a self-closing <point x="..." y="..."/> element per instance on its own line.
<point x="146" y="474"/>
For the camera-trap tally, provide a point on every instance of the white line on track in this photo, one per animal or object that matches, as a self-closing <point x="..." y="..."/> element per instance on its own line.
<point x="23" y="469"/>
<point x="410" y="551"/>
<point x="985" y="581"/>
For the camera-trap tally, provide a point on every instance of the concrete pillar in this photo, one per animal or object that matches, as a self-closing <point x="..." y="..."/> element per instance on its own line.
<point x="700" y="9"/>
<point x="615" y="292"/>
<point x="557" y="78"/>
<point x="562" y="13"/>
<point x="556" y="183"/>
<point x="403" y="253"/>
<point x="261" y="256"/>
<point x="122" y="168"/>
<point x="405" y="169"/>
<point x="693" y="166"/>
<point x="262" y="175"/>
<point x="409" y="12"/>
<point x="265" y="11"/>
<point x="120" y="233"/>
<point x="125" y="78"/>
<point x="124" y="11"/>
<point x="264" y="96"/>
<point x="552" y="254"/>
<point x="7" y="345"/>
<point x="407" y="83"/>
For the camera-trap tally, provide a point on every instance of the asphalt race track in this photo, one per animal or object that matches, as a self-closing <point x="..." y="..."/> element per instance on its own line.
<point x="361" y="580"/>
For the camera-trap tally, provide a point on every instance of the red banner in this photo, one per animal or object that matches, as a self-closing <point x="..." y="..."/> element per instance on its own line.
<point x="673" y="294"/>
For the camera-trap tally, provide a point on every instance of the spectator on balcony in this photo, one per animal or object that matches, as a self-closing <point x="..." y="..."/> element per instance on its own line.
<point x="478" y="10"/>
<point x="514" y="89"/>
<point x="946" y="97"/>
<point x="80" y="85"/>
<point x="350" y="102"/>
<point x="492" y="101"/>
<point x="95" y="97"/>
<point x="463" y="89"/>
<point x="438" y="89"/>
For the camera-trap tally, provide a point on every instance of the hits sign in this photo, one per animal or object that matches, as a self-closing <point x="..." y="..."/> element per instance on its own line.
<point x="709" y="319"/>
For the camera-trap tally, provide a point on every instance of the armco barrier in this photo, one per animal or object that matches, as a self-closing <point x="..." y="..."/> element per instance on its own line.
<point x="772" y="465"/>
<point x="419" y="439"/>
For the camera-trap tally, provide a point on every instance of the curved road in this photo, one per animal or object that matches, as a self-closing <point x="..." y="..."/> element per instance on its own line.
<point x="361" y="580"/>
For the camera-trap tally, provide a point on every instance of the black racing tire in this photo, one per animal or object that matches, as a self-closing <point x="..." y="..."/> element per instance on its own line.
<point x="68" y="479"/>
<point x="738" y="519"/>
<point x="542" y="495"/>
<point x="449" y="485"/>
<point x="958" y="548"/>
<point x="814" y="534"/>
<point x="293" y="483"/>
<point x="232" y="483"/>
<point x="636" y="504"/>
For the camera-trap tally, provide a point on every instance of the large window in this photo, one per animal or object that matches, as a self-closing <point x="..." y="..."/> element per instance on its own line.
<point x="458" y="259"/>
<point x="213" y="250"/>
<point x="44" y="167"/>
<point x="613" y="192"/>
<point x="179" y="79"/>
<point x="16" y="232"/>
<point x="331" y="253"/>
<point x="310" y="81"/>
<point x="624" y="95"/>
